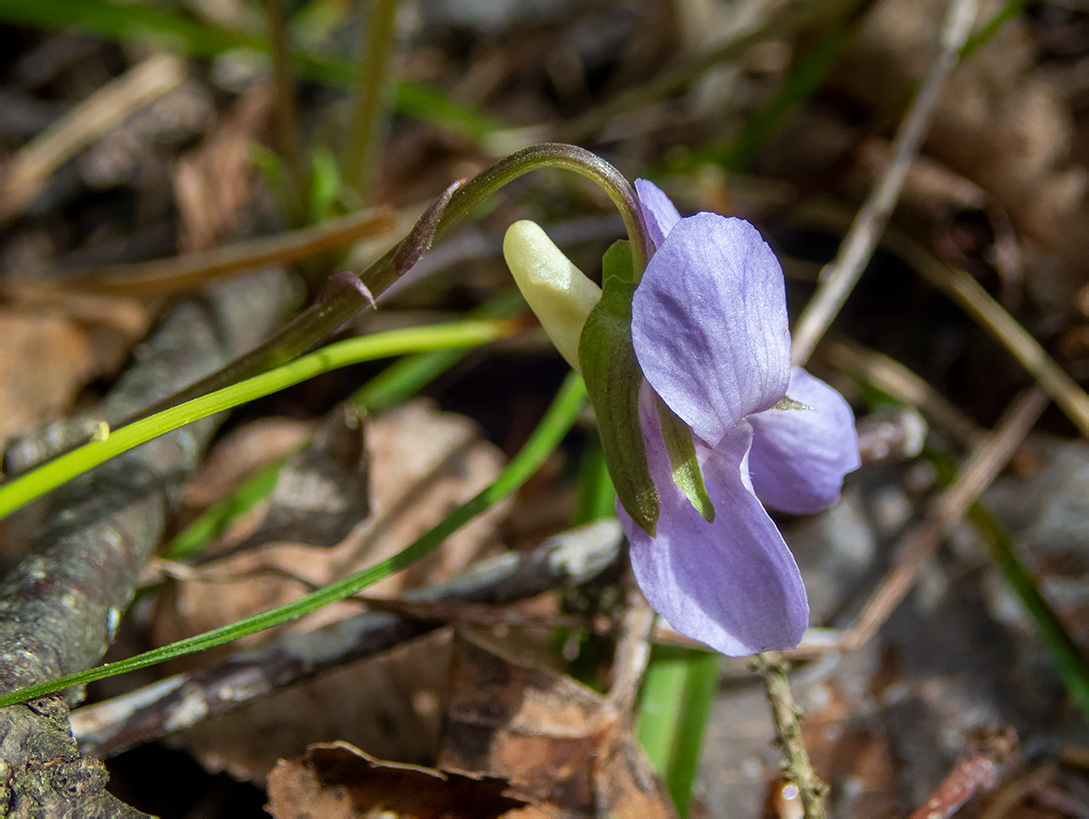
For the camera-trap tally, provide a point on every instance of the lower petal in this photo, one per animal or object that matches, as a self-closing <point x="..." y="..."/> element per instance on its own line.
<point x="732" y="584"/>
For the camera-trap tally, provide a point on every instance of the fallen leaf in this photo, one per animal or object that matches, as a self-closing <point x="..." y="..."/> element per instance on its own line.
<point x="560" y="743"/>
<point x="44" y="361"/>
<point x="337" y="779"/>
<point x="424" y="463"/>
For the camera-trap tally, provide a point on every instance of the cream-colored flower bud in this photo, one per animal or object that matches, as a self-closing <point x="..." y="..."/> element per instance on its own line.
<point x="557" y="291"/>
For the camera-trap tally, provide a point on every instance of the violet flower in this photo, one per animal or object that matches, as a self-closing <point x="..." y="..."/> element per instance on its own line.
<point x="709" y="327"/>
<point x="710" y="337"/>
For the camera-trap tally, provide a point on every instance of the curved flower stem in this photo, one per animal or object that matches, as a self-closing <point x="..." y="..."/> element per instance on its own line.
<point x="339" y="304"/>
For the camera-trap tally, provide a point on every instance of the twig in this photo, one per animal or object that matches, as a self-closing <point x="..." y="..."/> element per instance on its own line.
<point x="959" y="286"/>
<point x="892" y="377"/>
<point x="30" y="168"/>
<point x="183" y="700"/>
<point x="60" y="606"/>
<point x="979" y="470"/>
<point x="978" y="774"/>
<point x="785" y="716"/>
<point x="178" y="274"/>
<point x="970" y="295"/>
<point x="840" y="276"/>
<point x="632" y="649"/>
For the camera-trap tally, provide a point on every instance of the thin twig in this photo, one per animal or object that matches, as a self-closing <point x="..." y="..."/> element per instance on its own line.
<point x="892" y="377"/>
<point x="178" y="274"/>
<point x="785" y="715"/>
<point x="958" y="285"/>
<point x="979" y="470"/>
<point x="28" y="171"/>
<point x="980" y="773"/>
<point x="181" y="701"/>
<point x="840" y="276"/>
<point x="632" y="649"/>
<point x="967" y="293"/>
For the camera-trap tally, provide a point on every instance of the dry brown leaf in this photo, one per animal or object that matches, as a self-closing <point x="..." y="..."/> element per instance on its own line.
<point x="560" y="743"/>
<point x="239" y="455"/>
<point x="996" y="124"/>
<point x="336" y="779"/>
<point x="423" y="464"/>
<point x="44" y="361"/>
<point x="213" y="184"/>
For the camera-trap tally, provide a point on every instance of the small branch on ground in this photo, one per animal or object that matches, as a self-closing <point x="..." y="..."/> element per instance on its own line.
<point x="178" y="702"/>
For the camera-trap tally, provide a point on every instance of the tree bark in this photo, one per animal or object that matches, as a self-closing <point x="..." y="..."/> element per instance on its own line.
<point x="62" y="603"/>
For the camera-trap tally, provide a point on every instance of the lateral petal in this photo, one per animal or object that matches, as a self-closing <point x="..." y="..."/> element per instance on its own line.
<point x="799" y="457"/>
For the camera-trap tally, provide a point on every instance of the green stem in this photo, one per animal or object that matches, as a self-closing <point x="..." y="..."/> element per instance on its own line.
<point x="371" y="92"/>
<point x="553" y="427"/>
<point x="287" y="118"/>
<point x="33" y="484"/>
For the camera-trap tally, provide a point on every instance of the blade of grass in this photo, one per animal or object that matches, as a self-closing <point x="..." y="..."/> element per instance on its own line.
<point x="394" y="384"/>
<point x="803" y="80"/>
<point x="674" y="706"/>
<point x="214" y="520"/>
<point x="370" y="98"/>
<point x="1070" y="661"/>
<point x="597" y="495"/>
<point x="409" y="375"/>
<point x="141" y="23"/>
<point x="546" y="437"/>
<point x="33" y="484"/>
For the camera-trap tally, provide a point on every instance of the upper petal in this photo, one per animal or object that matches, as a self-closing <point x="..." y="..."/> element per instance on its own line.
<point x="658" y="211"/>
<point x="800" y="456"/>
<point x="732" y="584"/>
<point x="709" y="324"/>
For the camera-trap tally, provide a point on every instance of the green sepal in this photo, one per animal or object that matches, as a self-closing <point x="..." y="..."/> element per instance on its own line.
<point x="617" y="262"/>
<point x="682" y="459"/>
<point x="613" y="378"/>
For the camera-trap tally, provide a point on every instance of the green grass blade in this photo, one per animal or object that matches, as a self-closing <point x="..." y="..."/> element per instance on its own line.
<point x="674" y="706"/>
<point x="1070" y="661"/>
<point x="25" y="488"/>
<point x="546" y="437"/>
<point x="214" y="520"/>
<point x="145" y="24"/>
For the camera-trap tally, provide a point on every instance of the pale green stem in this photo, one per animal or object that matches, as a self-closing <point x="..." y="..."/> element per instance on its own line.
<point x="369" y="99"/>
<point x="33" y="484"/>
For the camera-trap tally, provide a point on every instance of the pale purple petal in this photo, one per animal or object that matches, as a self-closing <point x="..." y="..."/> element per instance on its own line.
<point x="658" y="211"/>
<point x="732" y="584"/>
<point x="709" y="324"/>
<point x="799" y="456"/>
